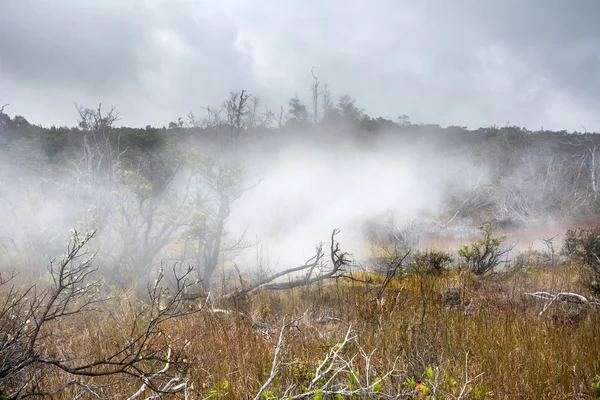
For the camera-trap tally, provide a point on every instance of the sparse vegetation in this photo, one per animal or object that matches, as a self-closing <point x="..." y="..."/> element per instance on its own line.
<point x="165" y="309"/>
<point x="383" y="337"/>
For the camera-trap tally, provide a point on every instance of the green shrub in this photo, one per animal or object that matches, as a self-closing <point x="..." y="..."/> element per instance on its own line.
<point x="486" y="254"/>
<point x="431" y="261"/>
<point x="583" y="246"/>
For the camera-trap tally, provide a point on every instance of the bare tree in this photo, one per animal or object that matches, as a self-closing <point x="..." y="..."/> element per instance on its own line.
<point x="549" y="242"/>
<point x="346" y="371"/>
<point x="24" y="316"/>
<point x="266" y="119"/>
<point x="236" y="109"/>
<point x="280" y="117"/>
<point x="314" y="89"/>
<point x="100" y="157"/>
<point x="589" y="160"/>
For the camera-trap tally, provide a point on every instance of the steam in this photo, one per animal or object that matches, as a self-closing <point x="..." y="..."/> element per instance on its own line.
<point x="300" y="188"/>
<point x="308" y="190"/>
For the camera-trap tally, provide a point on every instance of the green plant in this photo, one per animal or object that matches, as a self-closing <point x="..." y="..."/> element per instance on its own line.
<point x="596" y="386"/>
<point x="216" y="392"/>
<point x="487" y="253"/>
<point x="583" y="246"/>
<point x="422" y="389"/>
<point x="431" y="261"/>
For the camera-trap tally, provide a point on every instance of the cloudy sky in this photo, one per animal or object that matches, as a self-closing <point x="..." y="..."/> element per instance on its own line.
<point x="465" y="62"/>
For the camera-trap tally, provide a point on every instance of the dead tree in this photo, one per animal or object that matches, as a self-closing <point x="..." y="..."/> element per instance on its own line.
<point x="100" y="157"/>
<point x="568" y="297"/>
<point x="589" y="160"/>
<point x="25" y="316"/>
<point x="549" y="242"/>
<point x="266" y="119"/>
<point x="236" y="109"/>
<point x="314" y="89"/>
<point x="312" y="271"/>
<point x="279" y="120"/>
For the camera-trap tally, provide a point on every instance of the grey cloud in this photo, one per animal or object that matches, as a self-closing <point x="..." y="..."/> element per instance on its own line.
<point x="51" y="44"/>
<point x="558" y="38"/>
<point x="153" y="60"/>
<point x="464" y="62"/>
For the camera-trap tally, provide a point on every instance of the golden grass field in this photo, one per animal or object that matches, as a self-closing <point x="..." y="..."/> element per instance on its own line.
<point x="434" y="329"/>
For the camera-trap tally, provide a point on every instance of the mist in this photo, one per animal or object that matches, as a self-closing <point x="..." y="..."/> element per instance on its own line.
<point x="156" y="194"/>
<point x="307" y="190"/>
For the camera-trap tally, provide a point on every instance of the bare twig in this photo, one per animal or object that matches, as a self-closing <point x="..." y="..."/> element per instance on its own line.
<point x="276" y="362"/>
<point x="464" y="391"/>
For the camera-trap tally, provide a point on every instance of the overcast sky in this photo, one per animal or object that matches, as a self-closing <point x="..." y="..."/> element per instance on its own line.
<point x="464" y="62"/>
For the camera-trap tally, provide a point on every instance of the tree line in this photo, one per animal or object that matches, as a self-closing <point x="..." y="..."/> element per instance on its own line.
<point x="145" y="188"/>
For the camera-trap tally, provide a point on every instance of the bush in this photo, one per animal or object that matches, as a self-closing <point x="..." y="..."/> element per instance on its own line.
<point x="530" y="258"/>
<point x="431" y="261"/>
<point x="486" y="254"/>
<point x="583" y="246"/>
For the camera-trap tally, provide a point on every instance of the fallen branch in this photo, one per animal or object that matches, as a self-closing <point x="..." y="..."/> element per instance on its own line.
<point x="562" y="296"/>
<point x="339" y="262"/>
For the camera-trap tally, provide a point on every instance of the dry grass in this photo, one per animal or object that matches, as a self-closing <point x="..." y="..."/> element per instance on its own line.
<point x="421" y="321"/>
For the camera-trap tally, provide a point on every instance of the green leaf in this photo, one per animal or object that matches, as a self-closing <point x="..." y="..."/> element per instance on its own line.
<point x="223" y="385"/>
<point x="410" y="382"/>
<point x="429" y="371"/>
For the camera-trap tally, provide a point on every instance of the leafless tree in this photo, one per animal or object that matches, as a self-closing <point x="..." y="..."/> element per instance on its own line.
<point x="314" y="90"/>
<point x="25" y="314"/>
<point x="101" y="153"/>
<point x="236" y="109"/>
<point x="279" y="120"/>
<point x="589" y="159"/>
<point x="549" y="242"/>
<point x="266" y="119"/>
